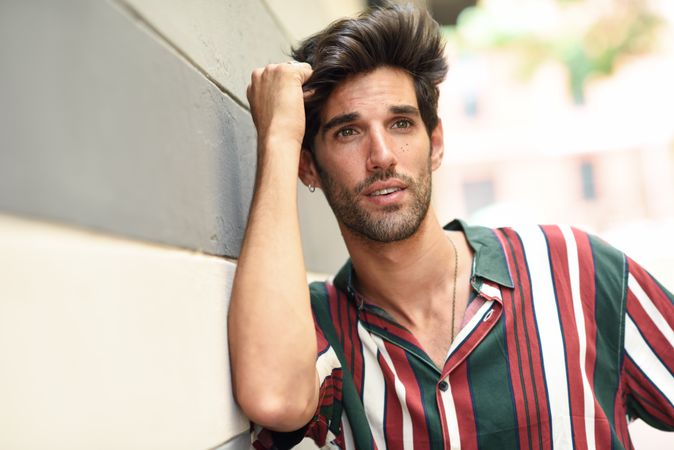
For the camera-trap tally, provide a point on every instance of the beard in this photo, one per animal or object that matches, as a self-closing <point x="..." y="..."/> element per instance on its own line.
<point x="388" y="224"/>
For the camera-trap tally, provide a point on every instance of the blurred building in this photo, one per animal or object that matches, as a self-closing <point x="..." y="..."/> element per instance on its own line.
<point x="526" y="150"/>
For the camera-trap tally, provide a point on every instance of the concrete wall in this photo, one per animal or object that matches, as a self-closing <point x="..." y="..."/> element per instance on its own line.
<point x="131" y="118"/>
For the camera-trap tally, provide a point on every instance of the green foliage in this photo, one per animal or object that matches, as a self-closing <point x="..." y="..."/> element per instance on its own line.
<point x="587" y="41"/>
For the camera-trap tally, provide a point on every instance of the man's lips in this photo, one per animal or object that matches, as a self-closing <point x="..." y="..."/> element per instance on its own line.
<point x="379" y="188"/>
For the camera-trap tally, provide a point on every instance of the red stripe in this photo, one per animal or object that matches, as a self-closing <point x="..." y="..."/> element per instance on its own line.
<point x="653" y="291"/>
<point x="333" y="300"/>
<point x="390" y="327"/>
<point x="481" y="329"/>
<point x="559" y="265"/>
<point x="659" y="407"/>
<point x="602" y="429"/>
<point x="512" y="347"/>
<point x="412" y="395"/>
<point x="463" y="404"/>
<point x="649" y="330"/>
<point x="539" y="417"/>
<point x="318" y="431"/>
<point x="263" y="440"/>
<point x="344" y="313"/>
<point x="322" y="343"/>
<point x="620" y="420"/>
<point x="352" y="347"/>
<point x="393" y="414"/>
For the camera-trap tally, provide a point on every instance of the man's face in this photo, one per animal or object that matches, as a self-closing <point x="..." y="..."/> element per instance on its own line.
<point x="374" y="157"/>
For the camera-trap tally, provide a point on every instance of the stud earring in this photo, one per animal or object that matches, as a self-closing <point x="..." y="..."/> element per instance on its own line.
<point x="311" y="188"/>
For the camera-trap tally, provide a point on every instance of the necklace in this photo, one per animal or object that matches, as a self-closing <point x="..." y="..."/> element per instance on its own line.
<point x="456" y="269"/>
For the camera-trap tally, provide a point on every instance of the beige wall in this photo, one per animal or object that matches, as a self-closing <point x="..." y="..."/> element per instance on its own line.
<point x="110" y="343"/>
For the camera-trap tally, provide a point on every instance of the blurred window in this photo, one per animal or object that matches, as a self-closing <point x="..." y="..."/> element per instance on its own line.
<point x="470" y="106"/>
<point x="478" y="194"/>
<point x="588" y="180"/>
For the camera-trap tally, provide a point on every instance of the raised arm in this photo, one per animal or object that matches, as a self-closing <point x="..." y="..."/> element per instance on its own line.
<point x="271" y="332"/>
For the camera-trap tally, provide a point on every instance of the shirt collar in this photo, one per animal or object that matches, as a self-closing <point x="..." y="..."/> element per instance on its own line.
<point x="489" y="261"/>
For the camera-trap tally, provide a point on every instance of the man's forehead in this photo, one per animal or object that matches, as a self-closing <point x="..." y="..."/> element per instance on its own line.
<point x="385" y="88"/>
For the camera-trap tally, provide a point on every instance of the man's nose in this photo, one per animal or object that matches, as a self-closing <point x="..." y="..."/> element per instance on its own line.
<point x="381" y="156"/>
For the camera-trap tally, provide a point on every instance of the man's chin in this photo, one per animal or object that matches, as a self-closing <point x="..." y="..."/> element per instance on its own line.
<point x="386" y="230"/>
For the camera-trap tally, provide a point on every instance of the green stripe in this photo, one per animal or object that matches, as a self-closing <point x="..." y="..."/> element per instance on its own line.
<point x="636" y="410"/>
<point x="492" y="393"/>
<point x="427" y="378"/>
<point x="351" y="402"/>
<point x="404" y="344"/>
<point x="610" y="296"/>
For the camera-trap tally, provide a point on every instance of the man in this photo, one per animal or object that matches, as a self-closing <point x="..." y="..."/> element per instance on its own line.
<point x="461" y="337"/>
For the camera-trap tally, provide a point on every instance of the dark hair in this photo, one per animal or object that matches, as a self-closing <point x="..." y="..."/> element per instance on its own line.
<point x="400" y="36"/>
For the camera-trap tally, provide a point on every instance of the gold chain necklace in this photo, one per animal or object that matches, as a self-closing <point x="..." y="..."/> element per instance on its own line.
<point x="456" y="269"/>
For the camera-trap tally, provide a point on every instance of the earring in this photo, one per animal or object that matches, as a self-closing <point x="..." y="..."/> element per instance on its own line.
<point x="311" y="188"/>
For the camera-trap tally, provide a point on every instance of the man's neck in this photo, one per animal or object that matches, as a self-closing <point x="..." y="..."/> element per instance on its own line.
<point x="392" y="275"/>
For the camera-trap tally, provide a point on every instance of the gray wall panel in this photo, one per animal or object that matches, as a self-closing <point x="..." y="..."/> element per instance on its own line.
<point x="225" y="39"/>
<point x="104" y="125"/>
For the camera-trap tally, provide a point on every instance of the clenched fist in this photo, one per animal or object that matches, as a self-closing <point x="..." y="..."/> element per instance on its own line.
<point x="277" y="102"/>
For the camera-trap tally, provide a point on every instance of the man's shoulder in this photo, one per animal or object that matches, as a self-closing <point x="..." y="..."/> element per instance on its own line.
<point x="554" y="234"/>
<point x="318" y="290"/>
<point x="323" y="294"/>
<point x="550" y="239"/>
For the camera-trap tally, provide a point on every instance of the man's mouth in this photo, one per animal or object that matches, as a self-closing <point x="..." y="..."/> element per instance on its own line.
<point x="384" y="191"/>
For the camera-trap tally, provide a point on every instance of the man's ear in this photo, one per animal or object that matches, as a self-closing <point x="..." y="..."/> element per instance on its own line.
<point x="437" y="145"/>
<point x="308" y="172"/>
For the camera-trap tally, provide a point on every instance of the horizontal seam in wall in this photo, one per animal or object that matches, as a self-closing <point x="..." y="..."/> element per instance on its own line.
<point x="133" y="12"/>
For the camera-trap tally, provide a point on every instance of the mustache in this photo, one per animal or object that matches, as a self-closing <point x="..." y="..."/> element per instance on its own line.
<point x="382" y="176"/>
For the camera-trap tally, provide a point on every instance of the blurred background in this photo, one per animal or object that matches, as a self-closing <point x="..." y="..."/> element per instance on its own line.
<point x="127" y="157"/>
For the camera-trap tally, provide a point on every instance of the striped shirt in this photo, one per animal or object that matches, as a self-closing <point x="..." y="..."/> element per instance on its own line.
<point x="566" y="340"/>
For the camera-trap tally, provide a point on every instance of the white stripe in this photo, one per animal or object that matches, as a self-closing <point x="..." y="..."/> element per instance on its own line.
<point x="644" y="358"/>
<point x="348" y="434"/>
<point x="468" y="328"/>
<point x="450" y="416"/>
<point x="574" y="277"/>
<point x="651" y="309"/>
<point x="326" y="363"/>
<point x="373" y="387"/>
<point x="408" y="433"/>
<point x="549" y="330"/>
<point x="490" y="291"/>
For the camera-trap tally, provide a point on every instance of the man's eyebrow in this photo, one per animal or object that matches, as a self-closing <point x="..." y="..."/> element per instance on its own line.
<point x="339" y="120"/>
<point x="350" y="117"/>
<point x="404" y="109"/>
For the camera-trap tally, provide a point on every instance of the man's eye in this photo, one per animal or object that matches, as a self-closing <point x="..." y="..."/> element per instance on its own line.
<point x="402" y="123"/>
<point x="345" y="132"/>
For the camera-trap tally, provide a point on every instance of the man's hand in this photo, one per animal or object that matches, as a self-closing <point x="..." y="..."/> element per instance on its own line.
<point x="277" y="102"/>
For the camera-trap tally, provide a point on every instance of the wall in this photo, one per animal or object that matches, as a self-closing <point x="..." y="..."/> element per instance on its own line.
<point x="127" y="157"/>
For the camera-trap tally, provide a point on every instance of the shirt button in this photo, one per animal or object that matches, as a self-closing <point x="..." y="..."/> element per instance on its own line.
<point x="443" y="385"/>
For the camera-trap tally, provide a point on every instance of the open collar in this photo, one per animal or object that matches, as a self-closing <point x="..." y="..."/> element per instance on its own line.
<point x="489" y="261"/>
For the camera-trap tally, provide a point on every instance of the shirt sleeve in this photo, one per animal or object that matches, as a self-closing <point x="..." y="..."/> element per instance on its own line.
<point x="325" y="422"/>
<point x="648" y="370"/>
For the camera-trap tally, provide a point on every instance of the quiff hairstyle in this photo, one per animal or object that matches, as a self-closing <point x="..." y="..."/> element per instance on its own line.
<point x="393" y="35"/>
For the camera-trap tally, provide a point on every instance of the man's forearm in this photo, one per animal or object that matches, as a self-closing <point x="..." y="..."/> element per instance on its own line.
<point x="271" y="330"/>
